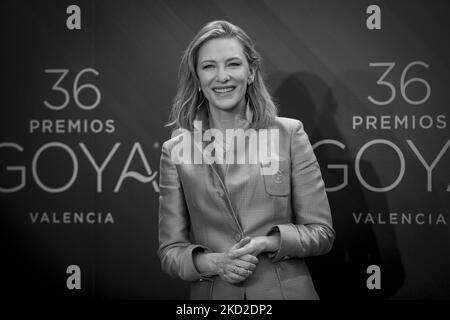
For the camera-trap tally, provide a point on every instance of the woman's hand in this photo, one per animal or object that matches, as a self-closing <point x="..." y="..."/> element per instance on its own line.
<point x="258" y="245"/>
<point x="239" y="262"/>
<point x="231" y="267"/>
<point x="235" y="268"/>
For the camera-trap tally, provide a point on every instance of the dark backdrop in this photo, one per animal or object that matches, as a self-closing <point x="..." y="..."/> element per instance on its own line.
<point x="316" y="57"/>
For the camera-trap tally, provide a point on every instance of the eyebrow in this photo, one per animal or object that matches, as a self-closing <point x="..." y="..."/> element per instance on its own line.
<point x="229" y="59"/>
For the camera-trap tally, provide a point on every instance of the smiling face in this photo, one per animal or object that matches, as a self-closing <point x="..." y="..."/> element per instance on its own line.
<point x="223" y="71"/>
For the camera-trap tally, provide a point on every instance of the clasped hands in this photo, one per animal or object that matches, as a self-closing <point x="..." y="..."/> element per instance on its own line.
<point x="237" y="263"/>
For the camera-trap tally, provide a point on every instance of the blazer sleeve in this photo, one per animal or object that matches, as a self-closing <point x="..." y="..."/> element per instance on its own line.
<point x="175" y="249"/>
<point x="311" y="233"/>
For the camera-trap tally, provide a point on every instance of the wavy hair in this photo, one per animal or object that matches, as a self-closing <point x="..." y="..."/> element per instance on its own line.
<point x="189" y="99"/>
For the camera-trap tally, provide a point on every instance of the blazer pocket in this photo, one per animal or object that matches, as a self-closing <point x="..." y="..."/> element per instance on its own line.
<point x="278" y="184"/>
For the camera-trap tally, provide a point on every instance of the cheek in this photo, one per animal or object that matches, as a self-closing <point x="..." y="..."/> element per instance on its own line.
<point x="243" y="91"/>
<point x="242" y="78"/>
<point x="204" y="78"/>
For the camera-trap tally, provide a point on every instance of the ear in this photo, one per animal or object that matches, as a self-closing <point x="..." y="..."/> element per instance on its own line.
<point x="199" y="85"/>
<point x="251" y="76"/>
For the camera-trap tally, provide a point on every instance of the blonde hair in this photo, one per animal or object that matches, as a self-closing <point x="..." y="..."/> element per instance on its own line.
<point x="189" y="99"/>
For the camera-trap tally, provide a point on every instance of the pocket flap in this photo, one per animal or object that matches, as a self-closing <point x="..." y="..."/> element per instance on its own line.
<point x="278" y="183"/>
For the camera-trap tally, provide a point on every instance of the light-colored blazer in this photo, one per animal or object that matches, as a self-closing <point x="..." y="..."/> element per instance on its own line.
<point x="200" y="209"/>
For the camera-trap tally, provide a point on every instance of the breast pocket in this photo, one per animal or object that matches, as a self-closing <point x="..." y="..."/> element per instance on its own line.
<point x="278" y="183"/>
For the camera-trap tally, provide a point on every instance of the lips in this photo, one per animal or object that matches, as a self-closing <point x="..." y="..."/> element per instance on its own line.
<point x="223" y="90"/>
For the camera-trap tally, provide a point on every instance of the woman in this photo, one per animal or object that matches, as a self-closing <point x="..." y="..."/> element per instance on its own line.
<point x="229" y="228"/>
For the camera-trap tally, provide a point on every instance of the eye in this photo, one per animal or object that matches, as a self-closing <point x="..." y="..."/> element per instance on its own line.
<point x="207" y="66"/>
<point x="235" y="64"/>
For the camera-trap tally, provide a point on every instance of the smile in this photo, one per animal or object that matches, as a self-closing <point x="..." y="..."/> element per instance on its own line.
<point x="223" y="89"/>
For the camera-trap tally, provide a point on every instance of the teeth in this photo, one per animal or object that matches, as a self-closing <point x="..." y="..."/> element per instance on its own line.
<point x="223" y="90"/>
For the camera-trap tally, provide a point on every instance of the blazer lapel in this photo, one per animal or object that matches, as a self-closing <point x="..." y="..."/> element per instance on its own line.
<point x="202" y="115"/>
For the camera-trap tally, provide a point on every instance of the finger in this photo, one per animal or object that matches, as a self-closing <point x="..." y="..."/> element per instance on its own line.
<point x="229" y="280"/>
<point x="241" y="243"/>
<point x="232" y="278"/>
<point x="241" y="252"/>
<point x="249" y="258"/>
<point x="235" y="277"/>
<point x="245" y="273"/>
<point x="241" y="271"/>
<point x="245" y="265"/>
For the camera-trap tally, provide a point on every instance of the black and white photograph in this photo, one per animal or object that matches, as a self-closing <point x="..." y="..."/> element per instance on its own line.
<point x="232" y="151"/>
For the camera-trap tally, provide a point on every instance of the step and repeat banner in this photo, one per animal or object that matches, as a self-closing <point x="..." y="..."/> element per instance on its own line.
<point x="86" y="91"/>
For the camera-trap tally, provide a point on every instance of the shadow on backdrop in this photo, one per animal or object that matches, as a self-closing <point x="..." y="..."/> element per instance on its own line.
<point x="342" y="272"/>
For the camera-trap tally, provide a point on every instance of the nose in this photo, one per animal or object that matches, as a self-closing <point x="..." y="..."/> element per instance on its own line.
<point x="222" y="76"/>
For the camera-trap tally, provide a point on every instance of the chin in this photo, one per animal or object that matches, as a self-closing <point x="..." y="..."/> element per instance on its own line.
<point x="226" y="106"/>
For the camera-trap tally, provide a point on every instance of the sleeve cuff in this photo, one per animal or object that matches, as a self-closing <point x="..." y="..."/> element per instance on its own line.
<point x="288" y="241"/>
<point x="191" y="273"/>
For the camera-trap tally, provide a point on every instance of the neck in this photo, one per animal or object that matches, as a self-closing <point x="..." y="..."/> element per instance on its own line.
<point x="233" y="119"/>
